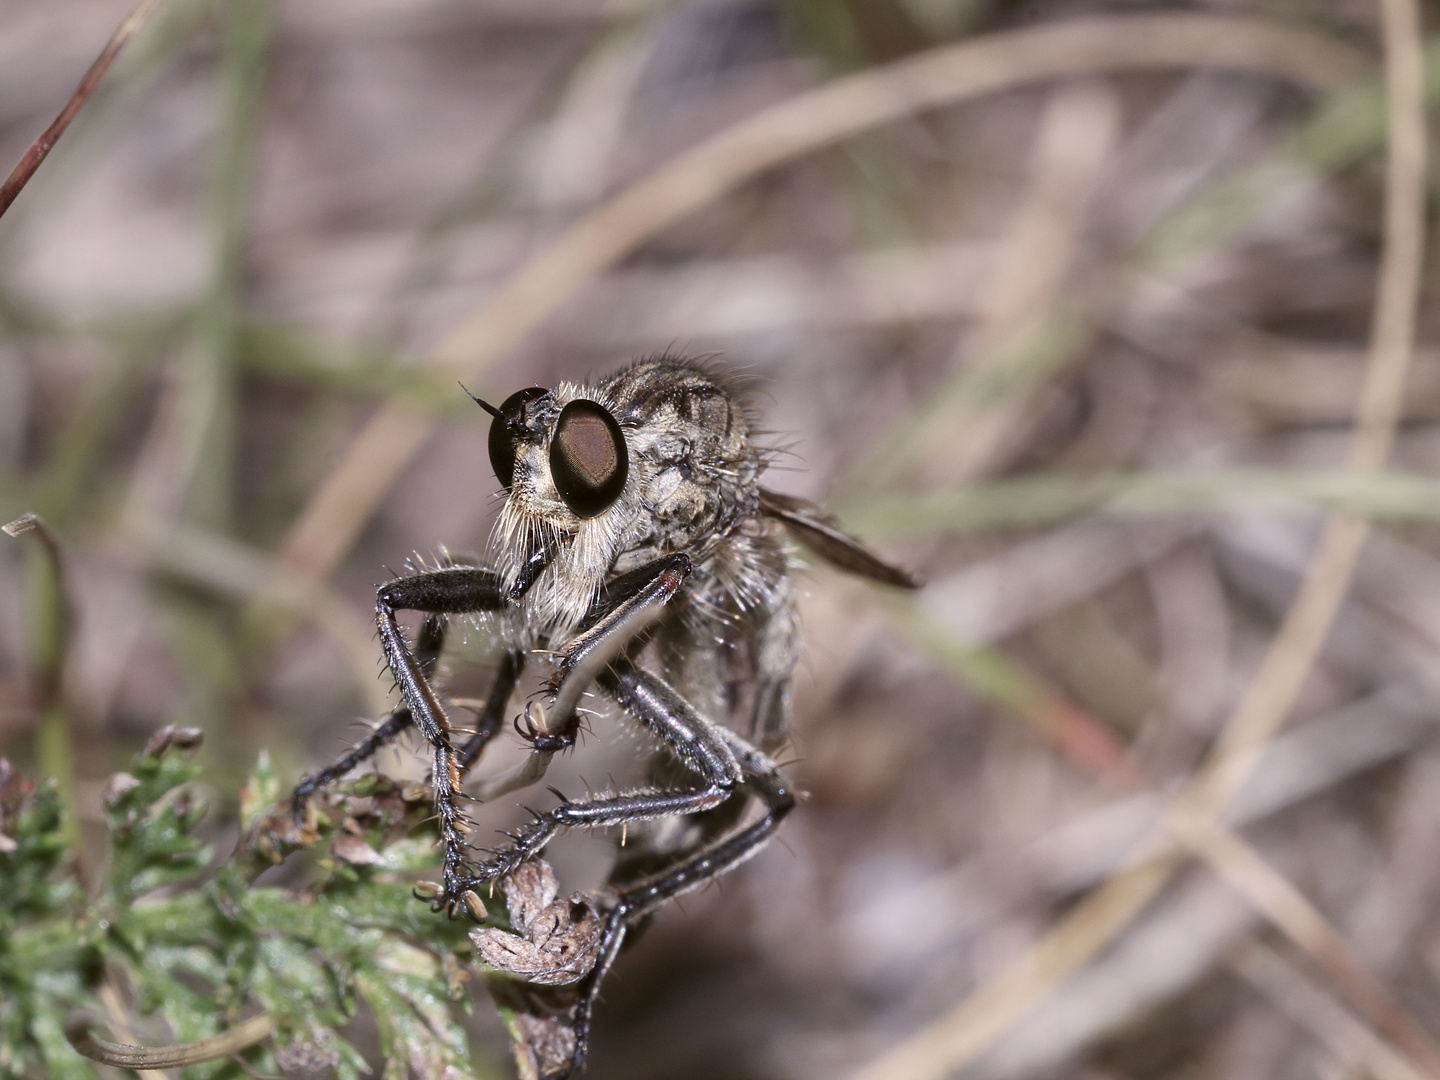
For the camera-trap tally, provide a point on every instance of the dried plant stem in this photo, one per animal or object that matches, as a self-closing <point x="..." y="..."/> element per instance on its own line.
<point x="116" y="1017"/>
<point x="338" y="510"/>
<point x="1310" y="1007"/>
<point x="40" y="149"/>
<point x="1242" y="867"/>
<point x="963" y="1033"/>
<point x="1392" y="345"/>
<point x="968" y="1028"/>
<point x="245" y="1034"/>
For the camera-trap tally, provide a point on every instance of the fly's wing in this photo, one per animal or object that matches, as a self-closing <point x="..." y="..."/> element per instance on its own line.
<point x="817" y="531"/>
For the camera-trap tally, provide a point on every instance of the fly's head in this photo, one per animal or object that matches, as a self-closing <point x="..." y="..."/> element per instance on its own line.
<point x="565" y="465"/>
<point x="649" y="461"/>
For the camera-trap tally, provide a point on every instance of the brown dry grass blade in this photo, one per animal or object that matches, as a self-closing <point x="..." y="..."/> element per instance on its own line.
<point x="79" y="1031"/>
<point x="41" y="147"/>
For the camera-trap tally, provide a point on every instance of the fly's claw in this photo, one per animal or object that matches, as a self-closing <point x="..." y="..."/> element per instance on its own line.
<point x="465" y="902"/>
<point x="302" y="811"/>
<point x="431" y="892"/>
<point x="537" y="732"/>
<point x="493" y="870"/>
<point x="454" y="897"/>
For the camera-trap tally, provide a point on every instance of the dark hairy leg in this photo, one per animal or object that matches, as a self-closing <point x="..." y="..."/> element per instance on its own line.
<point x="702" y="747"/>
<point x="639" y="898"/>
<point x="488" y="721"/>
<point x="449" y="591"/>
<point x="380" y="736"/>
<point x="429" y="644"/>
<point x="626" y="607"/>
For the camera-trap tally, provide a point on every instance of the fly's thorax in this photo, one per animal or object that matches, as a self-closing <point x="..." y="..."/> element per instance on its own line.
<point x="691" y="437"/>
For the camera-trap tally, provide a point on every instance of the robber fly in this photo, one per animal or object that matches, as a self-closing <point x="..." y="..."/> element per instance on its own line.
<point x="636" y="553"/>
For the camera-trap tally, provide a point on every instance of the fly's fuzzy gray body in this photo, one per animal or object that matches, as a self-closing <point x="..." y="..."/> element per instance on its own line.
<point x="636" y="553"/>
<point x="693" y="486"/>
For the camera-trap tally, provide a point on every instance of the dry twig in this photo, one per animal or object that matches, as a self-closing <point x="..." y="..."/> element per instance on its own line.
<point x="1309" y="1006"/>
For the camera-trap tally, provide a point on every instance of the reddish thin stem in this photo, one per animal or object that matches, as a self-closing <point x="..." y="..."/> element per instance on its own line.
<point x="41" y="147"/>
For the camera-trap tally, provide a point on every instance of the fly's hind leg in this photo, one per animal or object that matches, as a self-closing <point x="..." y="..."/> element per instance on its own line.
<point x="639" y="898"/>
<point x="487" y="724"/>
<point x="380" y="736"/>
<point x="490" y="716"/>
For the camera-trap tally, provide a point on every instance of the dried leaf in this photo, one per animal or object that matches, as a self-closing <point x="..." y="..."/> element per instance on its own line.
<point x="354" y="850"/>
<point x="555" y="943"/>
<point x="528" y="891"/>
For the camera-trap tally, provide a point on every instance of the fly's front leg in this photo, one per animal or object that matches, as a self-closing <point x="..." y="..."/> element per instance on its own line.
<point x="633" y="603"/>
<point x="700" y="746"/>
<point x="449" y="591"/>
<point x="639" y="898"/>
<point x="487" y="721"/>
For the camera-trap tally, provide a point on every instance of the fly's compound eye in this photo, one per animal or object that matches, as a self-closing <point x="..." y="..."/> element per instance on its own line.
<point x="506" y="430"/>
<point x="588" y="458"/>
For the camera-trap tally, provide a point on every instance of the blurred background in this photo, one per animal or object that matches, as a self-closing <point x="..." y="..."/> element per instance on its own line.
<point x="1085" y="351"/>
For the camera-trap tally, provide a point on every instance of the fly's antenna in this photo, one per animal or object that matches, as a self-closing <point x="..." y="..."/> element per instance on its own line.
<point x="511" y="423"/>
<point x="491" y="409"/>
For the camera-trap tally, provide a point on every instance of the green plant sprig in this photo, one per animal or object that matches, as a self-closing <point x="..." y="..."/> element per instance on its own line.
<point x="174" y="936"/>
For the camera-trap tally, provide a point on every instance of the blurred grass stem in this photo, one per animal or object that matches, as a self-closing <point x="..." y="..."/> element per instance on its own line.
<point x="987" y="671"/>
<point x="1247" y="872"/>
<point x="1355" y="1045"/>
<point x="1042" y="500"/>
<point x="52" y="621"/>
<point x="1021" y="336"/>
<point x="968" y="1028"/>
<point x="244" y="54"/>
<point x="238" y="570"/>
